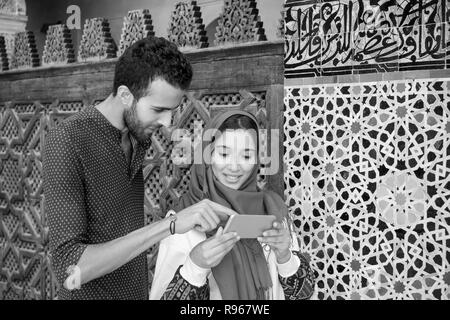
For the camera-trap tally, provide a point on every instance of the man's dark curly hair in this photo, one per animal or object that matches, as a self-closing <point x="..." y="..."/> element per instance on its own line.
<point x="148" y="59"/>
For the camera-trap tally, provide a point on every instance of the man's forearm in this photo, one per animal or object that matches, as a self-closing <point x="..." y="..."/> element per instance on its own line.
<point x="100" y="259"/>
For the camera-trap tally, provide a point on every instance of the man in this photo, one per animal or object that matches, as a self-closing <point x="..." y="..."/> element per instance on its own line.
<point x="93" y="179"/>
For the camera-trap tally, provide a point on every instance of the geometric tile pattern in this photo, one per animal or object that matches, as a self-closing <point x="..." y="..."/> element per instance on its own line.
<point x="25" y="270"/>
<point x="325" y="38"/>
<point x="238" y="23"/>
<point x="368" y="185"/>
<point x="186" y="27"/>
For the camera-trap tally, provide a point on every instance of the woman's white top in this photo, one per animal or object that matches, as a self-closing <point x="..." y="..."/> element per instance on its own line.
<point x="175" y="249"/>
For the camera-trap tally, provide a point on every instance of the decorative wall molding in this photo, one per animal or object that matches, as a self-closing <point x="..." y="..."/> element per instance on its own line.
<point x="25" y="53"/>
<point x="186" y="27"/>
<point x="58" y="49"/>
<point x="4" y="64"/>
<point x="239" y="22"/>
<point x="96" y="43"/>
<point x="137" y="25"/>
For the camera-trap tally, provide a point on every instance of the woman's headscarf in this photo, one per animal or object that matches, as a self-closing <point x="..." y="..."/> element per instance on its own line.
<point x="243" y="273"/>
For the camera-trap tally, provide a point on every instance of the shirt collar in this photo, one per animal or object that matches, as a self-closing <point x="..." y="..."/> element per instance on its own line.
<point x="103" y="123"/>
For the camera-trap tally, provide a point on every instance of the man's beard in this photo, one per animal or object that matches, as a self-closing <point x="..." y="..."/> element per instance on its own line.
<point x="135" y="126"/>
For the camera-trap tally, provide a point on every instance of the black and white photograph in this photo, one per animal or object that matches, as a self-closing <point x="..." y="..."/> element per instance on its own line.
<point x="247" y="151"/>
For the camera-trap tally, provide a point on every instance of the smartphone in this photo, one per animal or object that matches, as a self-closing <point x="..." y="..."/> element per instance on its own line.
<point x="249" y="225"/>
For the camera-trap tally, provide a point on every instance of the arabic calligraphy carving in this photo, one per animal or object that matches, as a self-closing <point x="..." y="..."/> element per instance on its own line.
<point x="361" y="36"/>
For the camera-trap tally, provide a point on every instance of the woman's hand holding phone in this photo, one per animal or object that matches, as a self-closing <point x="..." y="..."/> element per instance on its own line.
<point x="209" y="253"/>
<point x="279" y="240"/>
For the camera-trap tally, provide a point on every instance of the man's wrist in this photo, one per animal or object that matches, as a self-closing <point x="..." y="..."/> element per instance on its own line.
<point x="172" y="217"/>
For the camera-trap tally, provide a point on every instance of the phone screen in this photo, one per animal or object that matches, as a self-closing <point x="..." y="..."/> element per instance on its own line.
<point x="249" y="226"/>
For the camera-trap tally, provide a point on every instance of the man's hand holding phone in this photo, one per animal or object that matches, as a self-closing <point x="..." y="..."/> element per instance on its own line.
<point x="203" y="216"/>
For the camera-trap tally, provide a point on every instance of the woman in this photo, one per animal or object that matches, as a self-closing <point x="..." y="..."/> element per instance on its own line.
<point x="203" y="266"/>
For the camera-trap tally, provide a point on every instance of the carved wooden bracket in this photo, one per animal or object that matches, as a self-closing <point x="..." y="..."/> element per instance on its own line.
<point x="238" y="23"/>
<point x="25" y="53"/>
<point x="58" y="47"/>
<point x="186" y="27"/>
<point x="137" y="25"/>
<point x="4" y="65"/>
<point x="96" y="43"/>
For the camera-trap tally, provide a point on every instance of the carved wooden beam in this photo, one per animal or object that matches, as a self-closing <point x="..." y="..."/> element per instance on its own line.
<point x="58" y="49"/>
<point x="238" y="23"/>
<point x="186" y="27"/>
<point x="25" y="53"/>
<point x="96" y="43"/>
<point x="4" y="65"/>
<point x="137" y="25"/>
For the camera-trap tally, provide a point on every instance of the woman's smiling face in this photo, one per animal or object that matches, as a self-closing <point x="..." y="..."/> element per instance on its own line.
<point x="234" y="156"/>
